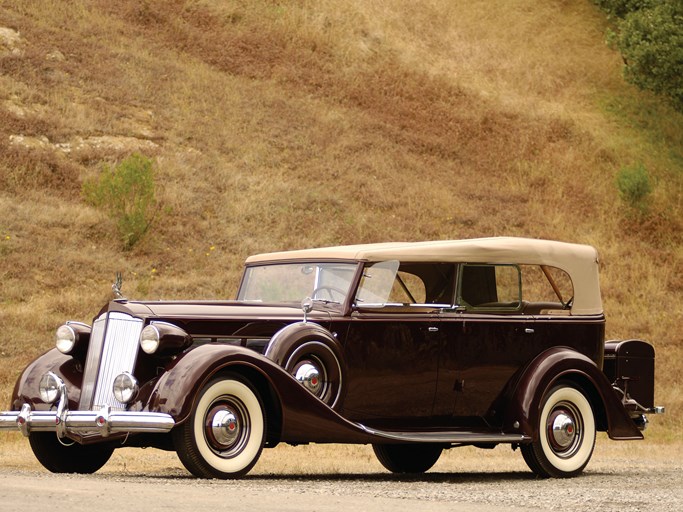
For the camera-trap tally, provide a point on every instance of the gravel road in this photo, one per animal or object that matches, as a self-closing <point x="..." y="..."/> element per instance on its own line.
<point x="618" y="479"/>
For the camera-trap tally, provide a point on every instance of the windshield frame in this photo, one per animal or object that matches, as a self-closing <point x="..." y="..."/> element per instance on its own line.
<point x="354" y="268"/>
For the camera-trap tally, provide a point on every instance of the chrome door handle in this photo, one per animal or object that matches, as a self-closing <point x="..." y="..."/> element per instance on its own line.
<point x="528" y="331"/>
<point x="433" y="329"/>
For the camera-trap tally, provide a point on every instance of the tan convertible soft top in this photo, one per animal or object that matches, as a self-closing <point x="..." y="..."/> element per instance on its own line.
<point x="579" y="261"/>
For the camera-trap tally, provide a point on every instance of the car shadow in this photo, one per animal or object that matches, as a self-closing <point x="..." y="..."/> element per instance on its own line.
<point x="435" y="477"/>
<point x="391" y="477"/>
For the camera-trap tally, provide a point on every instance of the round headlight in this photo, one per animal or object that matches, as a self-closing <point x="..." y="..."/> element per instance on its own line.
<point x="125" y="388"/>
<point x="50" y="388"/>
<point x="65" y="339"/>
<point x="72" y="337"/>
<point x="149" y="339"/>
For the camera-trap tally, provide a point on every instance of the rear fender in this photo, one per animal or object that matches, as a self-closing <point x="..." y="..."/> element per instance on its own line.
<point x="567" y="365"/>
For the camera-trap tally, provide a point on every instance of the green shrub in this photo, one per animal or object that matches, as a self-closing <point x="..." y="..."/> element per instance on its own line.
<point x="649" y="35"/>
<point x="621" y="8"/>
<point x="126" y="193"/>
<point x="651" y="43"/>
<point x="635" y="187"/>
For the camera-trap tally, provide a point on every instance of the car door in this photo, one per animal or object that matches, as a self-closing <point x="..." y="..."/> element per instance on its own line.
<point x="480" y="354"/>
<point x="391" y="348"/>
<point x="392" y="356"/>
<point x="486" y="339"/>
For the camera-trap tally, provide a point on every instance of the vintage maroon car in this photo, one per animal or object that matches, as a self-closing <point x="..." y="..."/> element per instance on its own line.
<point x="411" y="347"/>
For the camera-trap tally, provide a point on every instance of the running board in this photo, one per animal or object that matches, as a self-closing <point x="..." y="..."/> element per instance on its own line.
<point x="447" y="437"/>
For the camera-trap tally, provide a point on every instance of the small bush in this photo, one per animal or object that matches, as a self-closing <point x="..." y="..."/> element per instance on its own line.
<point x="649" y="35"/>
<point x="635" y="187"/>
<point x="651" y="41"/>
<point x="126" y="193"/>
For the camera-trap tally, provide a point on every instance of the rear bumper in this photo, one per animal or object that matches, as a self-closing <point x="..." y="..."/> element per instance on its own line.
<point x="79" y="423"/>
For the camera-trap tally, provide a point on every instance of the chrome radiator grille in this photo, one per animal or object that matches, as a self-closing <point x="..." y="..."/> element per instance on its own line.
<point x="113" y="349"/>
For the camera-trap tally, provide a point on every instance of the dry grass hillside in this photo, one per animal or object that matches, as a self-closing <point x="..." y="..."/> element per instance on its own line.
<point x="278" y="125"/>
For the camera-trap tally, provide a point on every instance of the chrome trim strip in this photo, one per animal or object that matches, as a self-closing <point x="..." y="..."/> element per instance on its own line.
<point x="447" y="437"/>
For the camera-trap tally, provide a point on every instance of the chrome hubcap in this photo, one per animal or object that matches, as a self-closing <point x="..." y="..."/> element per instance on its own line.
<point x="225" y="427"/>
<point x="564" y="431"/>
<point x="309" y="376"/>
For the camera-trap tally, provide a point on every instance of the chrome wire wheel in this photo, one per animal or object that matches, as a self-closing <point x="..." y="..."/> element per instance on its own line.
<point x="224" y="436"/>
<point x="566" y="434"/>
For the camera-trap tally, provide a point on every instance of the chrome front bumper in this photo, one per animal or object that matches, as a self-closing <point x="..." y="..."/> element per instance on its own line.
<point x="103" y="422"/>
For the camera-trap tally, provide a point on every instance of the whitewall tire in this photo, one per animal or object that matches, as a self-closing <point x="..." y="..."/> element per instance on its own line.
<point x="225" y="434"/>
<point x="566" y="434"/>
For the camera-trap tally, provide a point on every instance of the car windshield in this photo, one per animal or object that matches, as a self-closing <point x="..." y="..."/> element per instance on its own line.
<point x="293" y="282"/>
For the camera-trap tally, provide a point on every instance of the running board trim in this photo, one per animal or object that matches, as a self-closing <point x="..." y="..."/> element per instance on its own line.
<point x="447" y="437"/>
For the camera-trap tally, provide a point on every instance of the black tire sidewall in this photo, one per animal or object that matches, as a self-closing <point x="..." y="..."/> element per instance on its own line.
<point x="68" y="456"/>
<point x="407" y="458"/>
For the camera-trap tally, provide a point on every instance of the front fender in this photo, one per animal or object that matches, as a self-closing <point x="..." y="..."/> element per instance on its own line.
<point x="175" y="391"/>
<point x="565" y="364"/>
<point x="26" y="389"/>
<point x="302" y="417"/>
